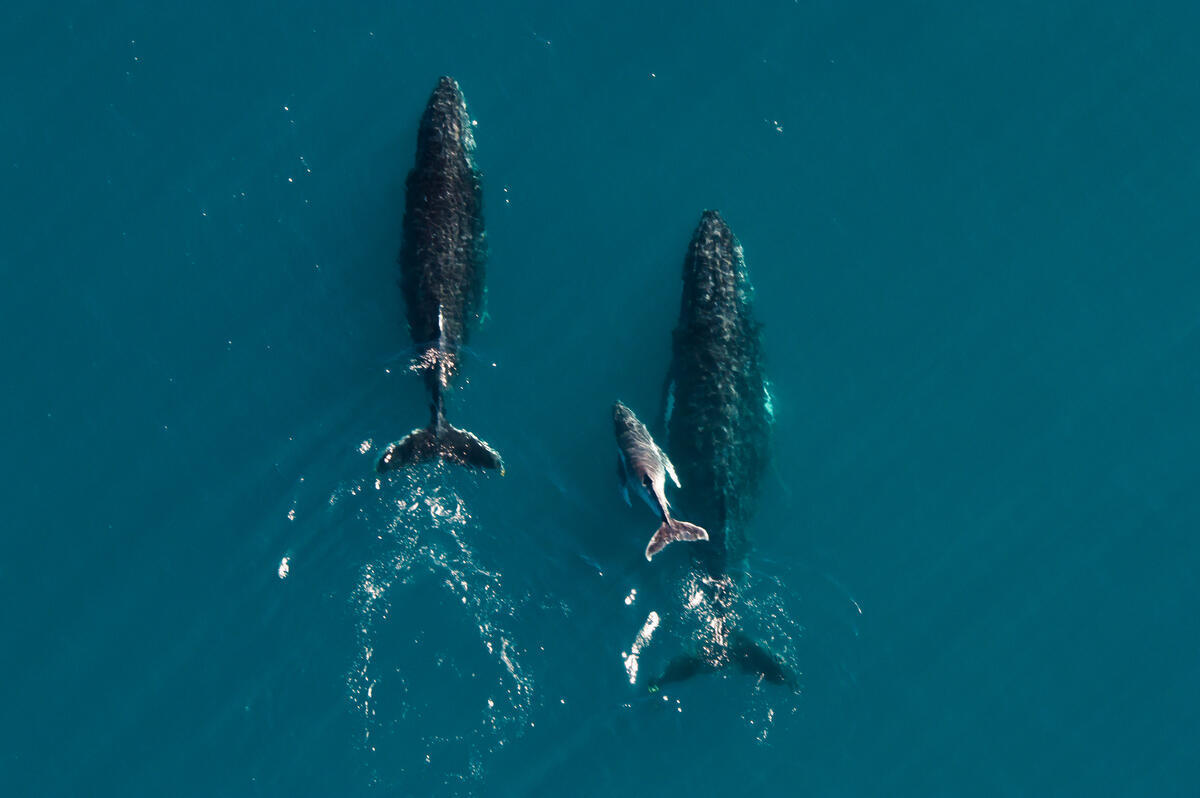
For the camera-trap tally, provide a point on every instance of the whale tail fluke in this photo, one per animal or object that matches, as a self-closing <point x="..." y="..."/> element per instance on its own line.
<point x="449" y="443"/>
<point x="757" y="660"/>
<point x="671" y="531"/>
<point x="749" y="656"/>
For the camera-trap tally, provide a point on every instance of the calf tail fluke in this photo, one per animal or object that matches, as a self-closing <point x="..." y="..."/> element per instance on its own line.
<point x="448" y="443"/>
<point x="671" y="531"/>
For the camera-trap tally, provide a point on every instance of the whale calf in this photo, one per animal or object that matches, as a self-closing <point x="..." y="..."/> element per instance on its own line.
<point x="643" y="467"/>
<point x="442" y="275"/>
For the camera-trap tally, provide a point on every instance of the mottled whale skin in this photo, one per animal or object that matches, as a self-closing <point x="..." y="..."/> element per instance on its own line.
<point x="642" y="467"/>
<point x="442" y="259"/>
<point x="717" y="412"/>
<point x="717" y="407"/>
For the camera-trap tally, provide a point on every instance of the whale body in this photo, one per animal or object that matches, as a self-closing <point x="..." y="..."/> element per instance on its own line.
<point x="442" y="275"/>
<point x="717" y="404"/>
<point x="717" y="412"/>
<point x="642" y="467"/>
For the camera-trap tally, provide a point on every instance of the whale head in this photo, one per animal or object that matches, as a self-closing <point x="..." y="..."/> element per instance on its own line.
<point x="445" y="126"/>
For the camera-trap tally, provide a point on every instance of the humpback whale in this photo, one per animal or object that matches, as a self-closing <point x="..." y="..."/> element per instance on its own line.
<point x="643" y="467"/>
<point x="717" y="406"/>
<point x="717" y="413"/>
<point x="441" y="275"/>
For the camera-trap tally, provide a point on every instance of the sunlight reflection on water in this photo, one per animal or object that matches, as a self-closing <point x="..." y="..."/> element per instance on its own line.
<point x="435" y="657"/>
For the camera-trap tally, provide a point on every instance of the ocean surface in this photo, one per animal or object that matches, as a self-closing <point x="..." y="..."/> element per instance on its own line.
<point x="974" y="233"/>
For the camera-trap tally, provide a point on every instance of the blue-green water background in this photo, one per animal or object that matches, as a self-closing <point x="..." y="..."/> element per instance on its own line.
<point x="973" y="232"/>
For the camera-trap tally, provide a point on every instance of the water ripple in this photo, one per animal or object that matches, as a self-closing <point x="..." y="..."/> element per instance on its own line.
<point x="438" y="680"/>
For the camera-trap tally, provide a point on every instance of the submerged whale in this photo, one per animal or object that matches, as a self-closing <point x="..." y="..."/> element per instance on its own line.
<point x="643" y="467"/>
<point x="717" y="405"/>
<point x="442" y="275"/>
<point x="717" y="413"/>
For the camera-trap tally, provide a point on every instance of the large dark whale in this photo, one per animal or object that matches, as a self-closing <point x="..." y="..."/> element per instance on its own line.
<point x="718" y="415"/>
<point x="441" y="274"/>
<point x="717" y="407"/>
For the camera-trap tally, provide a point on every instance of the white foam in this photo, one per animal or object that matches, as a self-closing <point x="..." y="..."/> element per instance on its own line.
<point x="641" y="641"/>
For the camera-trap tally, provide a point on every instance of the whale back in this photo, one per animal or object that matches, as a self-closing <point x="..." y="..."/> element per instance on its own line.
<point x="719" y="408"/>
<point x="444" y="248"/>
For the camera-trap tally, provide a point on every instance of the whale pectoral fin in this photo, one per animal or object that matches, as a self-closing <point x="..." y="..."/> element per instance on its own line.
<point x="671" y="531"/>
<point x="670" y="470"/>
<point x="667" y="407"/>
<point x="623" y="479"/>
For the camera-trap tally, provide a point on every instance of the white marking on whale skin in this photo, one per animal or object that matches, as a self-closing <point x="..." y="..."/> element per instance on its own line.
<point x="769" y="400"/>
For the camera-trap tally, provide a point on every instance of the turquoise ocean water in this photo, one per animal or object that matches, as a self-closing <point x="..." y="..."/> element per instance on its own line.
<point x="973" y="233"/>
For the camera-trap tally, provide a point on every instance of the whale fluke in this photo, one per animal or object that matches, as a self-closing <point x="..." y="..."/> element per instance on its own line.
<point x="449" y="443"/>
<point x="758" y="660"/>
<point x="671" y="531"/>
<point x="749" y="656"/>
